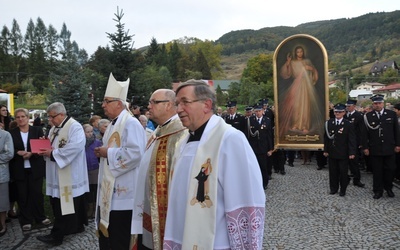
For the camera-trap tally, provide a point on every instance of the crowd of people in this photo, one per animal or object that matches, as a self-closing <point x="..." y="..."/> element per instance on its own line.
<point x="154" y="178"/>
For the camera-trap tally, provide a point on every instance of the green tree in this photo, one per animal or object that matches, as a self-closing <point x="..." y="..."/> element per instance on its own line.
<point x="153" y="53"/>
<point x="234" y="91"/>
<point x="69" y="83"/>
<point x="121" y="44"/>
<point x="221" y="97"/>
<point x="39" y="68"/>
<point x="202" y="66"/>
<point x="16" y="48"/>
<point x="174" y="56"/>
<point x="389" y="76"/>
<point x="51" y="45"/>
<point x="259" y="69"/>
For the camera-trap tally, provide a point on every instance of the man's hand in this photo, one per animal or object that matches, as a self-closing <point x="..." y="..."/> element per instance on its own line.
<point x="101" y="152"/>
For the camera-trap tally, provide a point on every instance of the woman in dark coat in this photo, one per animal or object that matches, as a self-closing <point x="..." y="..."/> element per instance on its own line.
<point x="28" y="170"/>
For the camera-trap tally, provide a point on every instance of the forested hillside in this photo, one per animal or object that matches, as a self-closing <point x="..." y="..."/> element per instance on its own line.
<point x="349" y="42"/>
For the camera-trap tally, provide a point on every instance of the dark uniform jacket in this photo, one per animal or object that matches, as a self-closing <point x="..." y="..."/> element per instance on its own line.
<point x="357" y="120"/>
<point x="259" y="135"/>
<point x="380" y="135"/>
<point x="270" y="114"/>
<point x="339" y="140"/>
<point x="237" y="122"/>
<point x="17" y="171"/>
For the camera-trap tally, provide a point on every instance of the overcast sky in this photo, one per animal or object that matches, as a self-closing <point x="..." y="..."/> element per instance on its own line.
<point x="166" y="20"/>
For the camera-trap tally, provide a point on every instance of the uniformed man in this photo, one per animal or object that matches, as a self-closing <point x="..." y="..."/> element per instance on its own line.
<point x="248" y="112"/>
<point x="380" y="141"/>
<point x="340" y="145"/>
<point x="396" y="109"/>
<point x="236" y="120"/>
<point x="355" y="118"/>
<point x="259" y="134"/>
<point x="267" y="111"/>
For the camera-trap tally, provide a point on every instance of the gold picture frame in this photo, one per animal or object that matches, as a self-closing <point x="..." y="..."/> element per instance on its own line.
<point x="301" y="93"/>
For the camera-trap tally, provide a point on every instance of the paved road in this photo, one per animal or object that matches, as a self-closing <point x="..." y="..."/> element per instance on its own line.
<point x="300" y="214"/>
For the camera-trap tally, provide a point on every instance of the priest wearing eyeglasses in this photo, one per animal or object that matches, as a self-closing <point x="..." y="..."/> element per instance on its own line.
<point x="66" y="175"/>
<point x="124" y="144"/>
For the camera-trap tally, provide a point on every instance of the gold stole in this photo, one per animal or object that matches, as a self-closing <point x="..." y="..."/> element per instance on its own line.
<point x="64" y="174"/>
<point x="200" y="215"/>
<point x="159" y="177"/>
<point x="107" y="184"/>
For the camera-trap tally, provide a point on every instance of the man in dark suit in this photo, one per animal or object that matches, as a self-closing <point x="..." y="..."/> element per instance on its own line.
<point x="381" y="140"/>
<point x="340" y="145"/>
<point x="355" y="118"/>
<point x="259" y="134"/>
<point x="236" y="120"/>
<point x="37" y="121"/>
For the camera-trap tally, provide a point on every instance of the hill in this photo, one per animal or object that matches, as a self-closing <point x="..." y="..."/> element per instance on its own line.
<point x="349" y="41"/>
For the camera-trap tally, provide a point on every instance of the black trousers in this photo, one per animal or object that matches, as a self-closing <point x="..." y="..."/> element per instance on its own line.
<point x="30" y="199"/>
<point x="70" y="223"/>
<point x="321" y="159"/>
<point x="355" y="169"/>
<point x="338" y="174"/>
<point x="290" y="154"/>
<point x="263" y="163"/>
<point x="383" y="169"/>
<point x="397" y="174"/>
<point x="119" y="231"/>
<point x="279" y="159"/>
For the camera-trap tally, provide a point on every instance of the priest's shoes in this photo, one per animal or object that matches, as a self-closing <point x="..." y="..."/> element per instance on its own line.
<point x="49" y="239"/>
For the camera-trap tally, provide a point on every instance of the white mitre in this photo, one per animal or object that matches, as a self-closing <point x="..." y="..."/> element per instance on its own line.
<point x="116" y="89"/>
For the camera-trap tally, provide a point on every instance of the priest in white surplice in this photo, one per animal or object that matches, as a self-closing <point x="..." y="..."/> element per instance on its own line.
<point x="66" y="175"/>
<point x="216" y="197"/>
<point x="124" y="143"/>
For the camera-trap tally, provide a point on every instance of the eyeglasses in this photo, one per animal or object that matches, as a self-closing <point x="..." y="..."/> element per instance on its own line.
<point x="108" y="101"/>
<point x="185" y="102"/>
<point x="152" y="102"/>
<point x="53" y="116"/>
<point x="338" y="111"/>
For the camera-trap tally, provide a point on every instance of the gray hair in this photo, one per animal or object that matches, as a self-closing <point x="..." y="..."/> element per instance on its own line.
<point x="86" y="125"/>
<point x="102" y="122"/>
<point x="143" y="117"/>
<point x="201" y="90"/>
<point x="57" y="107"/>
<point x="24" y="110"/>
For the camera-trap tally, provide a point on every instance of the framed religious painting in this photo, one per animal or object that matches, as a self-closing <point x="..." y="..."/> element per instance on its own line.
<point x="300" y="92"/>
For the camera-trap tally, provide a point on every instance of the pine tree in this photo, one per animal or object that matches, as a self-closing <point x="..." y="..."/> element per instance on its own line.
<point x="121" y="44"/>
<point x="174" y="56"/>
<point x="202" y="66"/>
<point x="69" y="84"/>
<point x="152" y="53"/>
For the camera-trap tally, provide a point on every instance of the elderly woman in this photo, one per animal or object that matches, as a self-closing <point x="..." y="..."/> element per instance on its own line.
<point x="93" y="168"/>
<point x="103" y="124"/>
<point x="28" y="170"/>
<point x="6" y="154"/>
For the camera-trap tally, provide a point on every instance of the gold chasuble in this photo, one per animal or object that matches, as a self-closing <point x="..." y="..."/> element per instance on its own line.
<point x="165" y="138"/>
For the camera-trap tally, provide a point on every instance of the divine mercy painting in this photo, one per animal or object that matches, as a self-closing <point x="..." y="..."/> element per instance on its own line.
<point x="301" y="93"/>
